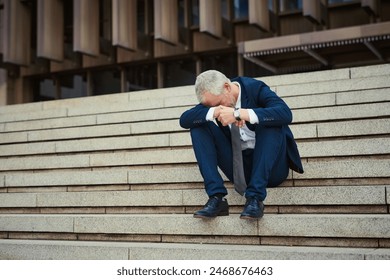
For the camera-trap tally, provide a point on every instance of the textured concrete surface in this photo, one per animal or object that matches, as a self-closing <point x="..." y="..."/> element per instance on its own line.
<point x="333" y="86"/>
<point x="79" y="132"/>
<point x="33" y="115"/>
<point x="346" y="88"/>
<point x="37" y="223"/>
<point x="117" y="143"/>
<point x="375" y="70"/>
<point x="302" y="78"/>
<point x="50" y="123"/>
<point x="349" y="168"/>
<point x="66" y="178"/>
<point x="294" y="225"/>
<point x="321" y="169"/>
<point x="27" y="149"/>
<point x="18" y="199"/>
<point x="293" y="196"/>
<point x="78" y="250"/>
<point x="354" y="128"/>
<point x="44" y="162"/>
<point x="342" y="112"/>
<point x="103" y="150"/>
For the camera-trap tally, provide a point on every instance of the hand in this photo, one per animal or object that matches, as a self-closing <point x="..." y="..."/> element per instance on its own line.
<point x="240" y="124"/>
<point x="217" y="110"/>
<point x="225" y="115"/>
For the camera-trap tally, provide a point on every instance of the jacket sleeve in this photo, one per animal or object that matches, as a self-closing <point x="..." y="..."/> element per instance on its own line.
<point x="193" y="117"/>
<point x="271" y="109"/>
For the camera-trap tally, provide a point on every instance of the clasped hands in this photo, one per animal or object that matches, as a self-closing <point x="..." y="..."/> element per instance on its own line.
<point x="225" y="116"/>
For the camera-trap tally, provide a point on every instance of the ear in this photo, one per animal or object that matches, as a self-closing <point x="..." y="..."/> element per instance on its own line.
<point x="227" y="87"/>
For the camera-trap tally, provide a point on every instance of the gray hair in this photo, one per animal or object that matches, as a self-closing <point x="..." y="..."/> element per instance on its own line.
<point x="210" y="81"/>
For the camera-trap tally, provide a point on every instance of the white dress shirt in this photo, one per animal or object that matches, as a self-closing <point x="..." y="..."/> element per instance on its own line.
<point x="248" y="137"/>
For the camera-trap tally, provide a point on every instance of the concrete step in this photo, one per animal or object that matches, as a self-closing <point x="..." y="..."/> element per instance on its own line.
<point x="338" y="98"/>
<point x="346" y="112"/>
<point x="326" y="114"/>
<point x="321" y="100"/>
<point x="325" y="148"/>
<point x="281" y="196"/>
<point x="328" y="75"/>
<point x="276" y="225"/>
<point x="128" y="99"/>
<point x="180" y="96"/>
<point x="120" y="168"/>
<point x="289" y="79"/>
<point x="320" y="87"/>
<point x="316" y="169"/>
<point x="128" y="115"/>
<point x="97" y="144"/>
<point x="87" y="250"/>
<point x="366" y="128"/>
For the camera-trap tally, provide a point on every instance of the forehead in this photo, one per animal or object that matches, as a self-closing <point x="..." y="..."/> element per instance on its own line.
<point x="211" y="100"/>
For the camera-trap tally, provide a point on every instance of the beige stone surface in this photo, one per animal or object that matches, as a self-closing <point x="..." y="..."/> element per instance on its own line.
<point x="333" y="86"/>
<point x="308" y="77"/>
<point x="293" y="225"/>
<point x="119" y="169"/>
<point x="369" y="71"/>
<point x="65" y="178"/>
<point x="345" y="168"/>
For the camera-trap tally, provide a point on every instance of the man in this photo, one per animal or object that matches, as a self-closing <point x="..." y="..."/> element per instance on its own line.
<point x="267" y="145"/>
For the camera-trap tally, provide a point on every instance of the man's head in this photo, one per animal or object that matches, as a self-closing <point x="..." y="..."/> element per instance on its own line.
<point x="213" y="88"/>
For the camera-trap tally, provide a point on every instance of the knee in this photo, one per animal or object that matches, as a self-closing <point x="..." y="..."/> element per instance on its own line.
<point x="201" y="134"/>
<point x="270" y="139"/>
<point x="208" y="129"/>
<point x="267" y="130"/>
<point x="198" y="132"/>
<point x="269" y="134"/>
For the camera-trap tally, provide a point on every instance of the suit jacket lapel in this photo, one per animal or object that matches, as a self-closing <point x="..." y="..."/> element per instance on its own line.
<point x="245" y="100"/>
<point x="244" y="95"/>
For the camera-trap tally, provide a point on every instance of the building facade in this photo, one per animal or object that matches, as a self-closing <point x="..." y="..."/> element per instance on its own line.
<point x="55" y="49"/>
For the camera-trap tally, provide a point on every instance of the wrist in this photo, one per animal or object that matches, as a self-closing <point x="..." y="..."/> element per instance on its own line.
<point x="237" y="114"/>
<point x="243" y="115"/>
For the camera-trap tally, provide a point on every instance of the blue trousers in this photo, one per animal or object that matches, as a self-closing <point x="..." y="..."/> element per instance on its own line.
<point x="265" y="166"/>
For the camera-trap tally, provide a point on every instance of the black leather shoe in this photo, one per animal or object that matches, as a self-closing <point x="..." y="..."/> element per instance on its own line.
<point x="254" y="209"/>
<point x="214" y="207"/>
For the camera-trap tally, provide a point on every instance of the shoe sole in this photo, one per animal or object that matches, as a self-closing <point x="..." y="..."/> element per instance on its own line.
<point x="210" y="217"/>
<point x="250" y="217"/>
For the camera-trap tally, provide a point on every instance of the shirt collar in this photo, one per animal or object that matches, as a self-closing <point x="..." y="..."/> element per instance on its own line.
<point x="238" y="102"/>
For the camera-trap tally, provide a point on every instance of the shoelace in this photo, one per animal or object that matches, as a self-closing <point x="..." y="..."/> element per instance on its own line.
<point x="252" y="202"/>
<point x="212" y="201"/>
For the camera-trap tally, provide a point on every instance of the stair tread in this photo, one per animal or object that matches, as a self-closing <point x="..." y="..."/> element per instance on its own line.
<point x="78" y="250"/>
<point x="304" y="225"/>
<point x="284" y="196"/>
<point x="82" y="168"/>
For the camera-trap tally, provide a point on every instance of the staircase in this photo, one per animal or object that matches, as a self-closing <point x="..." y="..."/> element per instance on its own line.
<point x="115" y="177"/>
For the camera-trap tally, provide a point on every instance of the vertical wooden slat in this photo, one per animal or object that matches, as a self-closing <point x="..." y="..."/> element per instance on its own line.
<point x="312" y="9"/>
<point x="124" y="23"/>
<point x="259" y="14"/>
<point x="166" y="21"/>
<point x="210" y="17"/>
<point x="16" y="33"/>
<point x="50" y="31"/>
<point x="86" y="26"/>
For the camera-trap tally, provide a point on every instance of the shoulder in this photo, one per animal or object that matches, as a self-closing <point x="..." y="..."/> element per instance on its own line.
<point x="249" y="82"/>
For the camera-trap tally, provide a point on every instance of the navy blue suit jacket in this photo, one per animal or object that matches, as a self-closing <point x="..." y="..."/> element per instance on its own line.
<point x="269" y="108"/>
